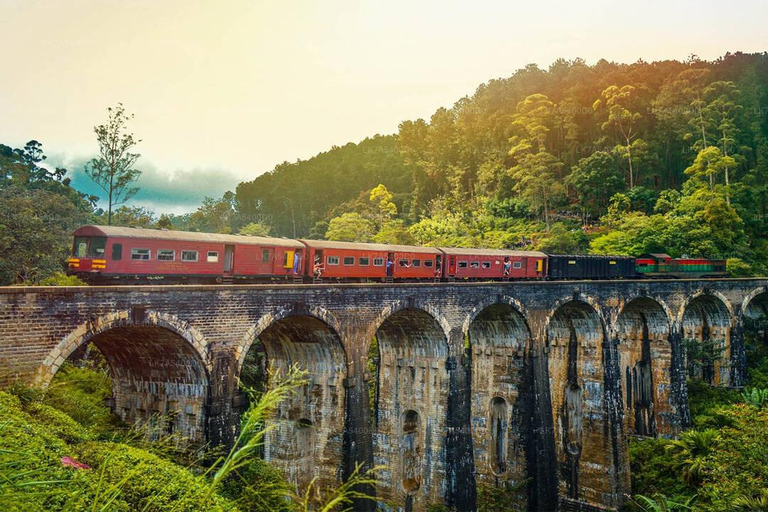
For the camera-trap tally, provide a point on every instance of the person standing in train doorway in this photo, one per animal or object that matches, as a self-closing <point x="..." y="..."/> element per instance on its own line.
<point x="390" y="265"/>
<point x="297" y="262"/>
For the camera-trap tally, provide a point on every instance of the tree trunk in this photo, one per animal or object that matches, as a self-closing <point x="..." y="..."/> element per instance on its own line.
<point x="727" y="180"/>
<point x="629" y="158"/>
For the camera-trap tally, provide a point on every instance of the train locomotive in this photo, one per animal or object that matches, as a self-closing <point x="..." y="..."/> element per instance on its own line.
<point x="120" y="255"/>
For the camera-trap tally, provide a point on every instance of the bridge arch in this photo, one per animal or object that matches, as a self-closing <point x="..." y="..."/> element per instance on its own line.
<point x="409" y="397"/>
<point x="499" y="341"/>
<point x="754" y="313"/>
<point x="158" y="363"/>
<point x="307" y="438"/>
<point x="705" y="320"/>
<point x="575" y="338"/>
<point x="642" y="329"/>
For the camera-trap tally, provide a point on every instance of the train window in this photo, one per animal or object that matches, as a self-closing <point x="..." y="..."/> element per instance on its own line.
<point x="117" y="252"/>
<point x="403" y="263"/>
<point x="517" y="264"/>
<point x="81" y="247"/>
<point x="188" y="255"/>
<point x="166" y="255"/>
<point x="349" y="260"/>
<point x="486" y="264"/>
<point x="333" y="260"/>
<point x="140" y="254"/>
<point x="462" y="264"/>
<point x="378" y="262"/>
<point x="364" y="262"/>
<point x="97" y="247"/>
<point x="265" y="255"/>
<point x="416" y="263"/>
<point x="213" y="256"/>
<point x="475" y="264"/>
<point x="428" y="263"/>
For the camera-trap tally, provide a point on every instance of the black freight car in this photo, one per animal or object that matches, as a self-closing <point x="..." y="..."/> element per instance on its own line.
<point x="590" y="267"/>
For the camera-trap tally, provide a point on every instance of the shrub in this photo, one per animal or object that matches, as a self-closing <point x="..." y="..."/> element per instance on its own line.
<point x="81" y="393"/>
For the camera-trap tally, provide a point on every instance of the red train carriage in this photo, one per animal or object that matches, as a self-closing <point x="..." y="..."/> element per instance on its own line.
<point x="494" y="264"/>
<point x="346" y="260"/>
<point x="106" y="253"/>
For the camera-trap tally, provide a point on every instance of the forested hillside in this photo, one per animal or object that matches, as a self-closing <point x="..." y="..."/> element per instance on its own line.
<point x="665" y="156"/>
<point x="606" y="158"/>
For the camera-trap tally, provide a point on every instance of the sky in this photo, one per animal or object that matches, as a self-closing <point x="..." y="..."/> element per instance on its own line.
<point x="222" y="91"/>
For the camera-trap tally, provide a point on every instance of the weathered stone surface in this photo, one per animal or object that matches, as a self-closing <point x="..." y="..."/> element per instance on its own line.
<point x="475" y="384"/>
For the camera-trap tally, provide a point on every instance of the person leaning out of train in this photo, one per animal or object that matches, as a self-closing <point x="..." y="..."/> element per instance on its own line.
<point x="318" y="268"/>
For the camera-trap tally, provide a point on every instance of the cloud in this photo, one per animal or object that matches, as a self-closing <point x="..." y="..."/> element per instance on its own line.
<point x="163" y="191"/>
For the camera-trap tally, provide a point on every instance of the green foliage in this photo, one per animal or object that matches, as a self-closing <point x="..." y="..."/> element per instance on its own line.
<point x="62" y="279"/>
<point x="81" y="393"/>
<point x="502" y="498"/>
<point x="660" y="503"/>
<point x="350" y="227"/>
<point x="755" y="397"/>
<point x="689" y="453"/>
<point x="654" y="471"/>
<point x="709" y="404"/>
<point x="596" y="179"/>
<point x="255" y="229"/>
<point x="561" y="240"/>
<point x="258" y="487"/>
<point x="737" y="267"/>
<point x="133" y="217"/>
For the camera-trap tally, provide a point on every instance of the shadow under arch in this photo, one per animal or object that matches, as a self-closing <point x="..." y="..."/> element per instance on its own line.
<point x="705" y="322"/>
<point x="754" y="312"/>
<point x="409" y="407"/>
<point x="157" y="363"/>
<point x="575" y="339"/>
<point x="307" y="439"/>
<point x="642" y="329"/>
<point x="499" y="342"/>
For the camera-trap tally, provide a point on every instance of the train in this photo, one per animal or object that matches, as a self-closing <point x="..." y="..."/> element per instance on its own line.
<point x="120" y="255"/>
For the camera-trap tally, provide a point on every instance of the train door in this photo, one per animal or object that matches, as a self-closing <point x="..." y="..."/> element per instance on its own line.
<point x="229" y="259"/>
<point x="390" y="264"/>
<point x="439" y="265"/>
<point x="451" y="266"/>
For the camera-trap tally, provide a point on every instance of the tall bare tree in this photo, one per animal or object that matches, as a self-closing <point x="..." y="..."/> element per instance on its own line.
<point x="113" y="171"/>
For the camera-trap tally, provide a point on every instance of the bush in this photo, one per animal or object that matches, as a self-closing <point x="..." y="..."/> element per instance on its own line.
<point x="62" y="279"/>
<point x="144" y="481"/>
<point x="81" y="393"/>
<point x="259" y="487"/>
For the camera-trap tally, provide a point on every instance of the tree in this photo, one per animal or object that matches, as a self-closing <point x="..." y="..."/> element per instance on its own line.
<point x="382" y="197"/>
<point x="690" y="451"/>
<point x="215" y="215"/>
<point x="350" y="227"/>
<point x="535" y="169"/>
<point x="595" y="180"/>
<point x="134" y="217"/>
<point x="709" y="164"/>
<point x="113" y="171"/>
<point x="721" y="112"/>
<point x="255" y="229"/>
<point x="624" y="117"/>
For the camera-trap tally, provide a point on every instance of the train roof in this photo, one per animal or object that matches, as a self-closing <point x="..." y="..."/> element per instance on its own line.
<point x="184" y="236"/>
<point x="329" y="244"/>
<point x="461" y="251"/>
<point x="592" y="256"/>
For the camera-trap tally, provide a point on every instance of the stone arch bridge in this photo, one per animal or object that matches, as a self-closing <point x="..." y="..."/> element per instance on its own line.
<point x="531" y="385"/>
